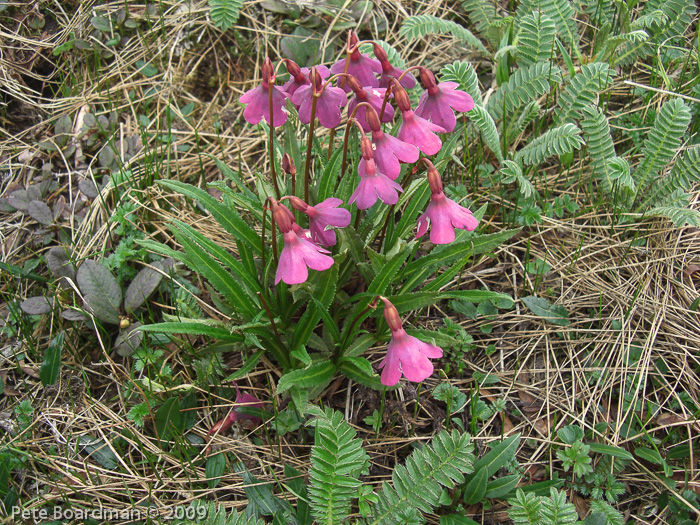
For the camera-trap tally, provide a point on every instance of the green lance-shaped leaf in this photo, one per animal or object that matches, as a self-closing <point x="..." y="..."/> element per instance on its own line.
<point x="541" y="307"/>
<point x="228" y="218"/>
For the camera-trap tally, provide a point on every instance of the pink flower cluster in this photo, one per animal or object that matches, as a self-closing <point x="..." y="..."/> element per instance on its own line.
<point x="374" y="92"/>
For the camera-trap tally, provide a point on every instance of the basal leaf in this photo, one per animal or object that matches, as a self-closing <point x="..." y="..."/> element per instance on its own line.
<point x="308" y="378"/>
<point x="541" y="307"/>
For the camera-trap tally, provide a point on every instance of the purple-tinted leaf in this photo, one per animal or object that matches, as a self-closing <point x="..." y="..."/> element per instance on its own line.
<point x="106" y="156"/>
<point x="59" y="207"/>
<point x="100" y="290"/>
<point x="60" y="266"/>
<point x="88" y="188"/>
<point x="101" y="307"/>
<point x="73" y="315"/>
<point x="5" y="206"/>
<point x="63" y="125"/>
<point x="35" y="192"/>
<point x="69" y="151"/>
<point x="19" y="200"/>
<point x="47" y="145"/>
<point x="89" y="120"/>
<point x="128" y="340"/>
<point x="36" y="305"/>
<point x="40" y="212"/>
<point x="141" y="288"/>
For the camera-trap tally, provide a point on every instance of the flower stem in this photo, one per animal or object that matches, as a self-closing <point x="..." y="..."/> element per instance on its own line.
<point x="370" y="306"/>
<point x="272" y="148"/>
<point x="309" y="145"/>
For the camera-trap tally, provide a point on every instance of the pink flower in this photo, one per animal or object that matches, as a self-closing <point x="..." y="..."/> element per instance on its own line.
<point x="257" y="100"/>
<point x="297" y="256"/>
<point x="405" y="354"/>
<point x="328" y="104"/>
<point x="323" y="216"/>
<point x="443" y="214"/>
<point x="408" y="81"/>
<point x="389" y="151"/>
<point x="242" y="401"/>
<point x="298" y="253"/>
<point x="375" y="98"/>
<point x="389" y="71"/>
<point x="361" y="66"/>
<point x="414" y="129"/>
<point x="438" y="102"/>
<point x="300" y="77"/>
<point x="373" y="183"/>
<point x="419" y="132"/>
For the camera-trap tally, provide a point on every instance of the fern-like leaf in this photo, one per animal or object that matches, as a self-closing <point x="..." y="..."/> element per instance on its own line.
<point x="663" y="140"/>
<point x="535" y="39"/>
<point x="555" y="509"/>
<point x="485" y="17"/>
<point x="675" y="207"/>
<point x="512" y="172"/>
<point x="525" y="508"/>
<point x="527" y="115"/>
<point x="560" y="11"/>
<point x="679" y="14"/>
<point x="337" y="459"/>
<point x="600" y="144"/>
<point x="419" y="483"/>
<point x="419" y="26"/>
<point x="556" y="141"/>
<point x="224" y="13"/>
<point x="655" y="18"/>
<point x="612" y="516"/>
<point x="524" y="86"/>
<point x="583" y="90"/>
<point x="685" y="173"/>
<point x="465" y="75"/>
<point x="487" y="127"/>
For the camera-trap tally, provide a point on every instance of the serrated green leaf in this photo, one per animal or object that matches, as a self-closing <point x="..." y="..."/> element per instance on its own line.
<point x="308" y="378"/>
<point x="541" y="307"/>
<point x="194" y="329"/>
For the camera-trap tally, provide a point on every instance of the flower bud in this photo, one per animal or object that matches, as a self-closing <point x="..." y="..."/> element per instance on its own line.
<point x="282" y="216"/>
<point x="316" y="80"/>
<point x="220" y="427"/>
<point x="352" y="45"/>
<point x="428" y="80"/>
<point x="295" y="71"/>
<point x="355" y="85"/>
<point x="298" y="204"/>
<point x="434" y="179"/>
<point x="288" y="165"/>
<point x="391" y="314"/>
<point x="381" y="54"/>
<point x="268" y="71"/>
<point x="401" y="97"/>
<point x="366" y="148"/>
<point x="373" y="119"/>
